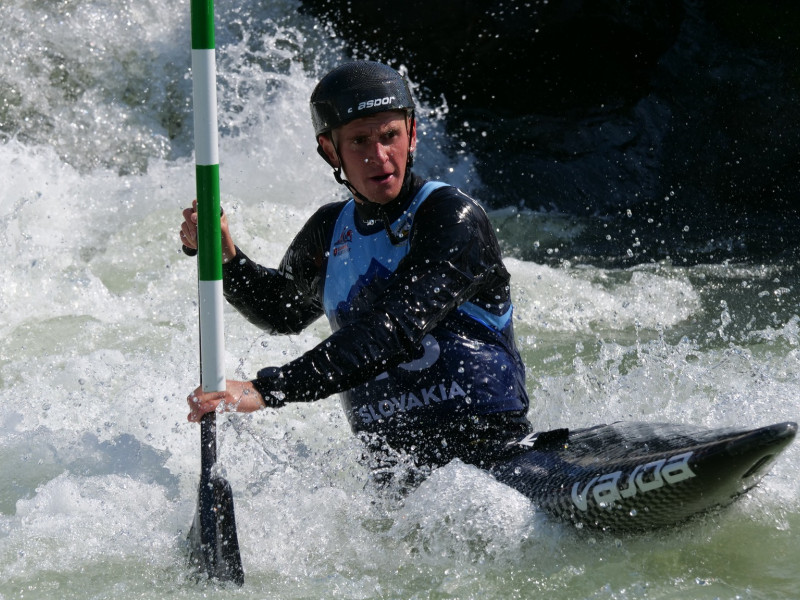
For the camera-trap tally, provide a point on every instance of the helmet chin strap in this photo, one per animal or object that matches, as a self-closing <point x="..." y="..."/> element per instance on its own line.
<point x="337" y="173"/>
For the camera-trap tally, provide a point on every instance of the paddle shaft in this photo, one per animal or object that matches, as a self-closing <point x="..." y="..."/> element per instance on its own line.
<point x="213" y="534"/>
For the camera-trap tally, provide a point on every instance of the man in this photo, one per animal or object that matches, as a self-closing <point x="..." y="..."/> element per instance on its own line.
<point x="410" y="277"/>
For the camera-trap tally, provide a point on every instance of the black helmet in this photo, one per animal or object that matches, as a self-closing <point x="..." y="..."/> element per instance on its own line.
<point x="357" y="89"/>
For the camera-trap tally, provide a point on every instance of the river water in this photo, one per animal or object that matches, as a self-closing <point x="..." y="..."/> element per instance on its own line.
<point x="99" y="327"/>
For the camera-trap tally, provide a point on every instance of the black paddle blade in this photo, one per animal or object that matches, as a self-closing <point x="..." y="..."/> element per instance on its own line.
<point x="213" y="543"/>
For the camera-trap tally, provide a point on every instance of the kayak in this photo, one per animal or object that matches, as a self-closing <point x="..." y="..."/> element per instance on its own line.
<point x="634" y="476"/>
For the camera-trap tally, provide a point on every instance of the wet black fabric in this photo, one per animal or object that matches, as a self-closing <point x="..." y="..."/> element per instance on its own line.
<point x="454" y="258"/>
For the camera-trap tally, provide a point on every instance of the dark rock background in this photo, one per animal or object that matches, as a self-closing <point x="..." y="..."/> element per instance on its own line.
<point x="660" y="129"/>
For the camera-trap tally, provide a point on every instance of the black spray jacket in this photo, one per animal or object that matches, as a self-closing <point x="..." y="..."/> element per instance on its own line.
<point x="419" y="303"/>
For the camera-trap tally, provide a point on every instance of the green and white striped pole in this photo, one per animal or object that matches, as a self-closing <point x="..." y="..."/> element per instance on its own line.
<point x="213" y="543"/>
<point x="209" y="265"/>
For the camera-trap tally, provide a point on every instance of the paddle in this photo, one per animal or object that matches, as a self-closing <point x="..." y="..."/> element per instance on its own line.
<point x="213" y="544"/>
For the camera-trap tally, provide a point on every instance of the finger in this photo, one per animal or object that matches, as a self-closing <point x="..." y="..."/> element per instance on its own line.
<point x="201" y="403"/>
<point x="188" y="233"/>
<point x="200" y="398"/>
<point x="197" y="413"/>
<point x="190" y="215"/>
<point x="185" y="239"/>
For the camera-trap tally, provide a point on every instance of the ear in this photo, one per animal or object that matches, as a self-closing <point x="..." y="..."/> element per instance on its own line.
<point x="327" y="151"/>
<point x="413" y="137"/>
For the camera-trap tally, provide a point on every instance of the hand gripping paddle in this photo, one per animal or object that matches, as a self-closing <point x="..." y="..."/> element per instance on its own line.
<point x="213" y="544"/>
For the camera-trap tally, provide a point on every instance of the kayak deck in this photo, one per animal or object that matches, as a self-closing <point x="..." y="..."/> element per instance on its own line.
<point x="631" y="476"/>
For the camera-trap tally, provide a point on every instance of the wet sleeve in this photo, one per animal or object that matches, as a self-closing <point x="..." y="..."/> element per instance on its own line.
<point x="453" y="255"/>
<point x="287" y="299"/>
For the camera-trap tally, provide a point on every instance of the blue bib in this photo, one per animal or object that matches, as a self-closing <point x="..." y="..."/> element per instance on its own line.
<point x="355" y="260"/>
<point x="454" y="372"/>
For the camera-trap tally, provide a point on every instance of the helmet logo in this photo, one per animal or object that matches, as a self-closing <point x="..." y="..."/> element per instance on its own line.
<point x="376" y="102"/>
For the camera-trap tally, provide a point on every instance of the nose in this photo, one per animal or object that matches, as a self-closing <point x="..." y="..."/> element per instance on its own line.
<point x="378" y="153"/>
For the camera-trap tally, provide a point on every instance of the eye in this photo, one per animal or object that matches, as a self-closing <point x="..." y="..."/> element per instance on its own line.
<point x="391" y="134"/>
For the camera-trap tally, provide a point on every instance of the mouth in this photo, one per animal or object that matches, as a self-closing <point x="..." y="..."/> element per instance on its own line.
<point x="383" y="178"/>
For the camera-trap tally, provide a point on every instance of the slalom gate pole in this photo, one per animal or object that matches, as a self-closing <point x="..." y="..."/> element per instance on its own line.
<point x="213" y="543"/>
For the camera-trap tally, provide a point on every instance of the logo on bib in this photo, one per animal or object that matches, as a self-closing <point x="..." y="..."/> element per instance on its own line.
<point x="342" y="245"/>
<point x="410" y="401"/>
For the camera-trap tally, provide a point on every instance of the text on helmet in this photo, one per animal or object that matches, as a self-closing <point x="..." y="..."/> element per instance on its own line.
<point x="386" y="100"/>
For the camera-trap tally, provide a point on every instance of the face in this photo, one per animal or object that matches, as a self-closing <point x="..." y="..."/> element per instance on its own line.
<point x="374" y="153"/>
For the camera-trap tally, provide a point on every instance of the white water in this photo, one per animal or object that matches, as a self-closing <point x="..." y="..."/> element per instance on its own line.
<point x="99" y="467"/>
